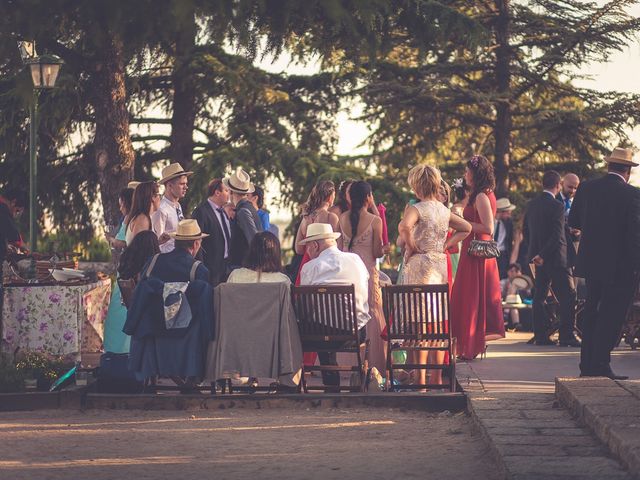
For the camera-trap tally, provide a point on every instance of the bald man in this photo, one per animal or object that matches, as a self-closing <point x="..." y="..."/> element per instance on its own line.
<point x="569" y="185"/>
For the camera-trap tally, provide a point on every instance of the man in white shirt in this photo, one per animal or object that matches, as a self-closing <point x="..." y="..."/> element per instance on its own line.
<point x="330" y="266"/>
<point x="165" y="220"/>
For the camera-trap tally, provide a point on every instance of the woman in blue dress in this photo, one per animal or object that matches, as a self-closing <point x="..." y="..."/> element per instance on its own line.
<point x="115" y="340"/>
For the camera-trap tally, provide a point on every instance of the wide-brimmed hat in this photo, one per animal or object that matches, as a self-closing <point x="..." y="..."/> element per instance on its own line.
<point x="174" y="170"/>
<point x="239" y="182"/>
<point x="188" y="230"/>
<point x="319" y="231"/>
<point x="504" y="205"/>
<point x="133" y="184"/>
<point x="622" y="156"/>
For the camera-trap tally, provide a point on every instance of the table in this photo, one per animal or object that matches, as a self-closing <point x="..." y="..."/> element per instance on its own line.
<point x="58" y="319"/>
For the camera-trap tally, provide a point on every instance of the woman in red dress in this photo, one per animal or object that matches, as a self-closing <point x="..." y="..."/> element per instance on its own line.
<point x="476" y="304"/>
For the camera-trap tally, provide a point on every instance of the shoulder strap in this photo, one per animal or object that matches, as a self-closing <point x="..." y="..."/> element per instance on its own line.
<point x="194" y="267"/>
<point x="151" y="265"/>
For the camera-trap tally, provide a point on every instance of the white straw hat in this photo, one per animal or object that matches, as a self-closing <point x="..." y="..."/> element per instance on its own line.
<point x="504" y="205"/>
<point x="172" y="171"/>
<point x="319" y="231"/>
<point x="239" y="182"/>
<point x="622" y="156"/>
<point x="188" y="230"/>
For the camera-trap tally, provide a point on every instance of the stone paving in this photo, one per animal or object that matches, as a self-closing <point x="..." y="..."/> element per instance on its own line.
<point x="610" y="409"/>
<point x="530" y="433"/>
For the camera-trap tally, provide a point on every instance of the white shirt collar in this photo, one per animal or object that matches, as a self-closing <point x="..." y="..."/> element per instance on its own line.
<point x="166" y="200"/>
<point x="328" y="251"/>
<point x="616" y="173"/>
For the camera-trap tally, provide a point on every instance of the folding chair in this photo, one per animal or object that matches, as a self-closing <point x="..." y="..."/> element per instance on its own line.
<point x="326" y="317"/>
<point x="419" y="314"/>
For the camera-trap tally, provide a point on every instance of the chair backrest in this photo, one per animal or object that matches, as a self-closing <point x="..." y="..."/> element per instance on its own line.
<point x="419" y="312"/>
<point x="325" y="312"/>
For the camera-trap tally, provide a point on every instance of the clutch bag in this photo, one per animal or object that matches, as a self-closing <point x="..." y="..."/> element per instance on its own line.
<point x="483" y="249"/>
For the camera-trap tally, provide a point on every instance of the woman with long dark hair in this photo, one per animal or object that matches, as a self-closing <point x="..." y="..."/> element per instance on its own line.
<point x="476" y="303"/>
<point x="343" y="201"/>
<point x="143" y="246"/>
<point x="362" y="234"/>
<point x="146" y="200"/>
<point x="263" y="263"/>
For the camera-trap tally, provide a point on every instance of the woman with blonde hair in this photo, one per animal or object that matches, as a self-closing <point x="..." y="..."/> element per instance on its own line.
<point x="424" y="231"/>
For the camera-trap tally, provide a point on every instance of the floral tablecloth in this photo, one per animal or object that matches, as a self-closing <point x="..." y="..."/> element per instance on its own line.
<point x="56" y="319"/>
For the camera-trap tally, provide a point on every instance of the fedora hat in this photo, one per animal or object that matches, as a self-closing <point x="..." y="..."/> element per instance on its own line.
<point x="188" y="230"/>
<point x="504" y="205"/>
<point x="133" y="184"/>
<point x="172" y="171"/>
<point x="319" y="231"/>
<point x="622" y="156"/>
<point x="239" y="182"/>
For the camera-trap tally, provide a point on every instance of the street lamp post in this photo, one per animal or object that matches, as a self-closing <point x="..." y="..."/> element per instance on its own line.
<point x="44" y="71"/>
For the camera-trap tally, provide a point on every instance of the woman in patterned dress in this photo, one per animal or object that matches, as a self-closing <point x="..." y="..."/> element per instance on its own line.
<point x="424" y="229"/>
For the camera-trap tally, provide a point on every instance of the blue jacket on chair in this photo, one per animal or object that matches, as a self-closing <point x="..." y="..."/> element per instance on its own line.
<point x="180" y="351"/>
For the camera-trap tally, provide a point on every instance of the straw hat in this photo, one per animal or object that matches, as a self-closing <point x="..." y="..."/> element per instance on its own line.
<point x="239" y="182"/>
<point x="622" y="156"/>
<point x="319" y="231"/>
<point x="504" y="205"/>
<point x="133" y="184"/>
<point x="174" y="170"/>
<point x="188" y="230"/>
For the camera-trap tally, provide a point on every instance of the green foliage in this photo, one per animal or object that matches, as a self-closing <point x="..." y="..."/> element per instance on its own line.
<point x="97" y="250"/>
<point x="39" y="365"/>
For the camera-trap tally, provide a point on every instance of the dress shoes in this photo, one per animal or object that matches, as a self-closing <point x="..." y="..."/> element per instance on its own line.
<point x="544" y="342"/>
<point x="570" y="342"/>
<point x="610" y="374"/>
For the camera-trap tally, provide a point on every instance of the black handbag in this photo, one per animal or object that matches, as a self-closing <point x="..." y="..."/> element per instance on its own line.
<point x="483" y="248"/>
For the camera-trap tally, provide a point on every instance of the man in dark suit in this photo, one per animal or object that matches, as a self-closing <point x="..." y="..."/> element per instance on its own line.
<point x="544" y="227"/>
<point x="607" y="212"/>
<point x="503" y="234"/>
<point x="247" y="222"/>
<point x="213" y="220"/>
<point x="570" y="183"/>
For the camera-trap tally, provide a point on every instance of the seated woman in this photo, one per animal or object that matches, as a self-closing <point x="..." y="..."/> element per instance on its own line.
<point x="263" y="262"/>
<point x="143" y="246"/>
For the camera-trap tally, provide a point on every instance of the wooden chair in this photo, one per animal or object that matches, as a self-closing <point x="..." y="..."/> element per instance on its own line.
<point x="417" y="319"/>
<point x="327" y="322"/>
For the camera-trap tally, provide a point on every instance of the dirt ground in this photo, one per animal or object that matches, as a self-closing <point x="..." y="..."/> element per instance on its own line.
<point x="231" y="444"/>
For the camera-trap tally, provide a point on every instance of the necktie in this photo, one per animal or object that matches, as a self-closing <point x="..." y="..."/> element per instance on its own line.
<point x="223" y="220"/>
<point x="497" y="233"/>
<point x="567" y="204"/>
<point x="179" y="213"/>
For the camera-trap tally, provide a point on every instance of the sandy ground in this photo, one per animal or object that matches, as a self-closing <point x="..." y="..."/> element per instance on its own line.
<point x="328" y="444"/>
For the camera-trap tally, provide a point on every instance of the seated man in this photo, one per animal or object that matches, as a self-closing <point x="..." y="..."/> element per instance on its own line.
<point x="509" y="292"/>
<point x="330" y="266"/>
<point x="158" y="346"/>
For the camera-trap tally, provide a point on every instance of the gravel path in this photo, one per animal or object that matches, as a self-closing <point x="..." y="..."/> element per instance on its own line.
<point x="327" y="444"/>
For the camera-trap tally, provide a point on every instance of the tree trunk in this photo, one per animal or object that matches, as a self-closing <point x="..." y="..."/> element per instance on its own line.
<point x="503" y="125"/>
<point x="114" y="151"/>
<point x="184" y="97"/>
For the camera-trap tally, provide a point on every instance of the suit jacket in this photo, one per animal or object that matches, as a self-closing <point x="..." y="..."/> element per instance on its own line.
<point x="544" y="226"/>
<point x="507" y="224"/>
<point x="607" y="211"/>
<point x="212" y="252"/>
<point x="570" y="237"/>
<point x="245" y="227"/>
<point x="175" y="266"/>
